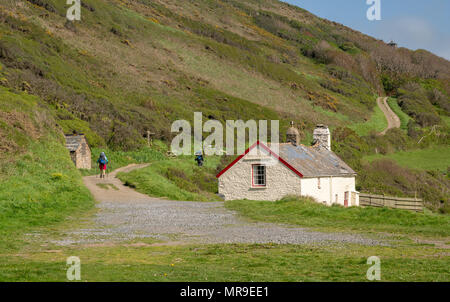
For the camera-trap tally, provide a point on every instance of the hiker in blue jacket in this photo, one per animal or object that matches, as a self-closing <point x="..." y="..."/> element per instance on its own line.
<point x="102" y="162"/>
<point x="199" y="159"/>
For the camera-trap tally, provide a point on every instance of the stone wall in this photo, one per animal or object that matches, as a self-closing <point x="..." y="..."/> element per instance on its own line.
<point x="236" y="183"/>
<point x="82" y="156"/>
<point x="322" y="136"/>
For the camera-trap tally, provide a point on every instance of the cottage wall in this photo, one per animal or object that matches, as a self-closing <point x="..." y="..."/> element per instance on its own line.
<point x="236" y="183"/>
<point x="84" y="161"/>
<point x="329" y="188"/>
<point x="82" y="156"/>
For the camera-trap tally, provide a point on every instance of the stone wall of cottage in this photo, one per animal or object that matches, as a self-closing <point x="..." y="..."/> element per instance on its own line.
<point x="236" y="183"/>
<point x="82" y="157"/>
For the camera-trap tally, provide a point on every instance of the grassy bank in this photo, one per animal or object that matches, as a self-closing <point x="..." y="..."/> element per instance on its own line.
<point x="307" y="213"/>
<point x="404" y="118"/>
<point x="40" y="186"/>
<point x="433" y="158"/>
<point x="118" y="159"/>
<point x="177" y="179"/>
<point x="376" y="123"/>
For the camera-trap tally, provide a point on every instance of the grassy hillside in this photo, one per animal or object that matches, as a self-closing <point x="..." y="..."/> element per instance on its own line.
<point x="176" y="179"/>
<point x="404" y="118"/>
<point x="132" y="66"/>
<point x="377" y="123"/>
<point x="129" y="66"/>
<point x="39" y="183"/>
<point x="434" y="158"/>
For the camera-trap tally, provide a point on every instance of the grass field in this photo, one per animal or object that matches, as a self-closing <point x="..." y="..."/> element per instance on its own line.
<point x="376" y="123"/>
<point x="177" y="179"/>
<point x="36" y="258"/>
<point x="39" y="183"/>
<point x="434" y="158"/>
<point x="404" y="118"/>
<point x="207" y="263"/>
<point x="307" y="213"/>
<point x="119" y="159"/>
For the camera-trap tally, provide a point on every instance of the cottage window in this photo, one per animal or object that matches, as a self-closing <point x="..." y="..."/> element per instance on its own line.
<point x="318" y="183"/>
<point x="259" y="175"/>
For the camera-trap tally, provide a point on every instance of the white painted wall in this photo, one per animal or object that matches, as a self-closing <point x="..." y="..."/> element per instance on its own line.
<point x="329" y="188"/>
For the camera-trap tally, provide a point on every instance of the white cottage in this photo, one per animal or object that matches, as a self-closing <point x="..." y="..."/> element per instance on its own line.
<point x="274" y="171"/>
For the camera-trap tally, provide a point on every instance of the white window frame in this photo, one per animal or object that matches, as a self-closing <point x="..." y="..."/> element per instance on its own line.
<point x="264" y="176"/>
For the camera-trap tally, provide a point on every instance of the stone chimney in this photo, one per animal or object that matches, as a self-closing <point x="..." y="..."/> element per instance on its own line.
<point x="292" y="135"/>
<point x="322" y="137"/>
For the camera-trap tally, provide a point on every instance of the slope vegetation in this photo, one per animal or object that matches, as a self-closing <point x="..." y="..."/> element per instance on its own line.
<point x="135" y="65"/>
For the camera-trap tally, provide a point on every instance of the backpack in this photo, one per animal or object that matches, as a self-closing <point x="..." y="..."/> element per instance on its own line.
<point x="103" y="160"/>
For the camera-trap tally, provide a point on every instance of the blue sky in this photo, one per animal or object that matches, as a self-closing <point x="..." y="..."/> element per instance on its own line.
<point x="411" y="23"/>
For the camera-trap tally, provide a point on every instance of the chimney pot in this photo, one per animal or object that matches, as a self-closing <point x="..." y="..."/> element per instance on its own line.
<point x="322" y="137"/>
<point x="293" y="135"/>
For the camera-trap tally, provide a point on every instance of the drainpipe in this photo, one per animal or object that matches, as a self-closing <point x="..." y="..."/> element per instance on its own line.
<point x="331" y="190"/>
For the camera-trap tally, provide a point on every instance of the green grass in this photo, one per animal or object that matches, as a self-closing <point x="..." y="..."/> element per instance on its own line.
<point x="433" y="158"/>
<point x="118" y="159"/>
<point x="40" y="185"/>
<point x="107" y="186"/>
<point x="446" y="120"/>
<point x="177" y="179"/>
<point x="404" y="118"/>
<point x="227" y="263"/>
<point x="307" y="213"/>
<point x="377" y="123"/>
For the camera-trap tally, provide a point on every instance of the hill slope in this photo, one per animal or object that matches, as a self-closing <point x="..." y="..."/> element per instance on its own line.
<point x="135" y="65"/>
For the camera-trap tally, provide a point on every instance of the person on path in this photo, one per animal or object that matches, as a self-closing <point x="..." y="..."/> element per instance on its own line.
<point x="199" y="159"/>
<point x="102" y="163"/>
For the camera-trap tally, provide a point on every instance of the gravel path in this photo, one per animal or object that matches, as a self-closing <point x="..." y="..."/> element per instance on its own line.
<point x="392" y="118"/>
<point x="125" y="214"/>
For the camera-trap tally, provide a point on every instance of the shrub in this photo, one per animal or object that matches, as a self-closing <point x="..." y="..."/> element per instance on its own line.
<point x="385" y="176"/>
<point x="413" y="101"/>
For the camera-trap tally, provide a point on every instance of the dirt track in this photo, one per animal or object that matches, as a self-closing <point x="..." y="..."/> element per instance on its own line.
<point x="124" y="214"/>
<point x="392" y="119"/>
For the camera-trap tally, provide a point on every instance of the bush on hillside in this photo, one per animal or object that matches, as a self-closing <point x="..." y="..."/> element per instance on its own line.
<point x="385" y="176"/>
<point x="413" y="100"/>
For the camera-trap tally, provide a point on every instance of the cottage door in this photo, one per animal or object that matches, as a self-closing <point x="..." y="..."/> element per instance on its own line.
<point x="346" y="199"/>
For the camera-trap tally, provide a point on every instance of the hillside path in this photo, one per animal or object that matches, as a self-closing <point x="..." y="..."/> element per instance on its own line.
<point x="124" y="214"/>
<point x="392" y="119"/>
